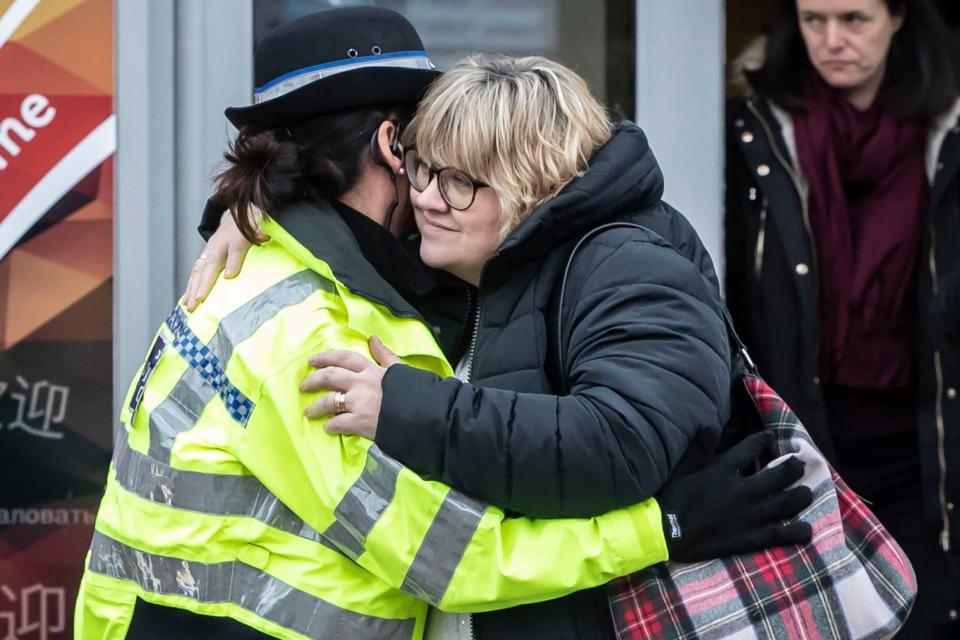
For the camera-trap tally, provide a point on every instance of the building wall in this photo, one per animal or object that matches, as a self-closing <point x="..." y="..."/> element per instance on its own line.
<point x="679" y="95"/>
<point x="179" y="63"/>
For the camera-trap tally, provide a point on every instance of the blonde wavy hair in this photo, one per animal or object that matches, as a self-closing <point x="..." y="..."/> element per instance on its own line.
<point x="525" y="126"/>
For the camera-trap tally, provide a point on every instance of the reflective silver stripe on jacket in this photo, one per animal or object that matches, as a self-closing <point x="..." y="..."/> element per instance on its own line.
<point x="364" y="502"/>
<point x="357" y="513"/>
<point x="443" y="547"/>
<point x="214" y="494"/>
<point x="244" y="586"/>
<point x="181" y="409"/>
<point x="245" y="495"/>
<point x="178" y="412"/>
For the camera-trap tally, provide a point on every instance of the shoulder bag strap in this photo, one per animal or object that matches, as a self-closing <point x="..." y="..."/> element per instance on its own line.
<point x="735" y="341"/>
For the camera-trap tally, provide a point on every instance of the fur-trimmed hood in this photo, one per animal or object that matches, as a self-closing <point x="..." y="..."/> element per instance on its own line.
<point x="749" y="59"/>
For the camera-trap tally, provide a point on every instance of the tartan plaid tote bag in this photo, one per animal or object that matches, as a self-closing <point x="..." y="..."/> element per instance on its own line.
<point x="852" y="581"/>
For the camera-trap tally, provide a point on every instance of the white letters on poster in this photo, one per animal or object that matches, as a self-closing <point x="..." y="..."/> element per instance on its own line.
<point x="35" y="113"/>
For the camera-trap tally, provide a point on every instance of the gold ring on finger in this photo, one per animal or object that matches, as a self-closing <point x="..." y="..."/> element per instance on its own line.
<point x="339" y="402"/>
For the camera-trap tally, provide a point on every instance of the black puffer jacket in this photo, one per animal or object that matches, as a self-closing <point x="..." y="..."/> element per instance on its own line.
<point x="647" y="361"/>
<point x="647" y="355"/>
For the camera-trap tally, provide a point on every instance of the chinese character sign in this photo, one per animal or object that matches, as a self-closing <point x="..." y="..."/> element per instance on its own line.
<point x="41" y="403"/>
<point x="37" y="610"/>
<point x="57" y="139"/>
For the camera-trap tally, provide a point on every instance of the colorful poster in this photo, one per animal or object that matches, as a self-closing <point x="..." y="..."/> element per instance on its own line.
<point x="57" y="139"/>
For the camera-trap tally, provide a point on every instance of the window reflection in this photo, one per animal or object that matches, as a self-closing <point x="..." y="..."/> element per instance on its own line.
<point x="594" y="38"/>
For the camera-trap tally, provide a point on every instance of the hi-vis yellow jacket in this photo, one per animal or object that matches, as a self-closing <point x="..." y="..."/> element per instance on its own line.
<point x="222" y="499"/>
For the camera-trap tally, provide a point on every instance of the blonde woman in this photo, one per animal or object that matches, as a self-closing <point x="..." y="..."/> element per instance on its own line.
<point x="511" y="162"/>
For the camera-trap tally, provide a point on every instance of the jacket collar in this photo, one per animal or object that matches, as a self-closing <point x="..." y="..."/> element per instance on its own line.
<point x="322" y="231"/>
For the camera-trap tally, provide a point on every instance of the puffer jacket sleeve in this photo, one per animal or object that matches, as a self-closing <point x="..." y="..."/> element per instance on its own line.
<point x="648" y="364"/>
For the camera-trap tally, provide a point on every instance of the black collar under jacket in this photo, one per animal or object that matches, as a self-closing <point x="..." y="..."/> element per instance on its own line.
<point x="441" y="297"/>
<point x="396" y="260"/>
<point x="363" y="255"/>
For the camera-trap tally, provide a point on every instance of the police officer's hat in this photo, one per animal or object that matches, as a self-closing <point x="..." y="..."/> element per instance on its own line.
<point x="335" y="60"/>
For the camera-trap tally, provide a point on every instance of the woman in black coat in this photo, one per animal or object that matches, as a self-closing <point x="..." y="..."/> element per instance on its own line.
<point x="511" y="162"/>
<point x="842" y="218"/>
<point x="540" y="419"/>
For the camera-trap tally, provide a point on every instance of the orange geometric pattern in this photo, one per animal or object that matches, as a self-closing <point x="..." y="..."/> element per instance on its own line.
<point x="57" y="138"/>
<point x="63" y="50"/>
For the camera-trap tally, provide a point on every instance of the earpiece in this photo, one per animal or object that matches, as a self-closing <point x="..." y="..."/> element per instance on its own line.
<point x="395" y="142"/>
<point x="378" y="158"/>
<point x="394" y="145"/>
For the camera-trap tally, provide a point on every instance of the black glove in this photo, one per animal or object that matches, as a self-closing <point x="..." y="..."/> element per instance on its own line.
<point x="720" y="510"/>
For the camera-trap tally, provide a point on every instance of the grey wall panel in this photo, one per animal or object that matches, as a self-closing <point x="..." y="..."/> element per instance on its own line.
<point x="214" y="59"/>
<point x="178" y="64"/>
<point x="680" y="60"/>
<point x="144" y="197"/>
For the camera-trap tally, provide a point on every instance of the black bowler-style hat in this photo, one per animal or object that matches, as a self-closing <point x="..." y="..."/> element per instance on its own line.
<point x="335" y="60"/>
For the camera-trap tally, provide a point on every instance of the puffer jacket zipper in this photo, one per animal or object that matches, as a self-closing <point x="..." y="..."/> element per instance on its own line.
<point x="475" y="303"/>
<point x="471" y="351"/>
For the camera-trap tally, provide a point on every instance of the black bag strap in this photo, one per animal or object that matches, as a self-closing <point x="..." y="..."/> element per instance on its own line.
<point x="735" y="341"/>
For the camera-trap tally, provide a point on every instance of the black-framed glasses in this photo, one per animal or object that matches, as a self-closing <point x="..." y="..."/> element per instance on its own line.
<point x="457" y="189"/>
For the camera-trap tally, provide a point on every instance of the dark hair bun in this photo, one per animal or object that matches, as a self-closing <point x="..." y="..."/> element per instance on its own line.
<point x="272" y="161"/>
<point x="265" y="171"/>
<point x="319" y="158"/>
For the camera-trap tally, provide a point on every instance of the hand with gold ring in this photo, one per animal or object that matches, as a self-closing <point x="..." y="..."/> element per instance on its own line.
<point x="355" y="385"/>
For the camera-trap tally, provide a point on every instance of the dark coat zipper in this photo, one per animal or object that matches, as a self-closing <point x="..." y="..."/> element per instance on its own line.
<point x="761" y="239"/>
<point x="938" y="371"/>
<point x="476" y="305"/>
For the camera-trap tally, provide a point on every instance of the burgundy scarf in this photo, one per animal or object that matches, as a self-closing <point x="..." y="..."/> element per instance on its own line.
<point x="868" y="196"/>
